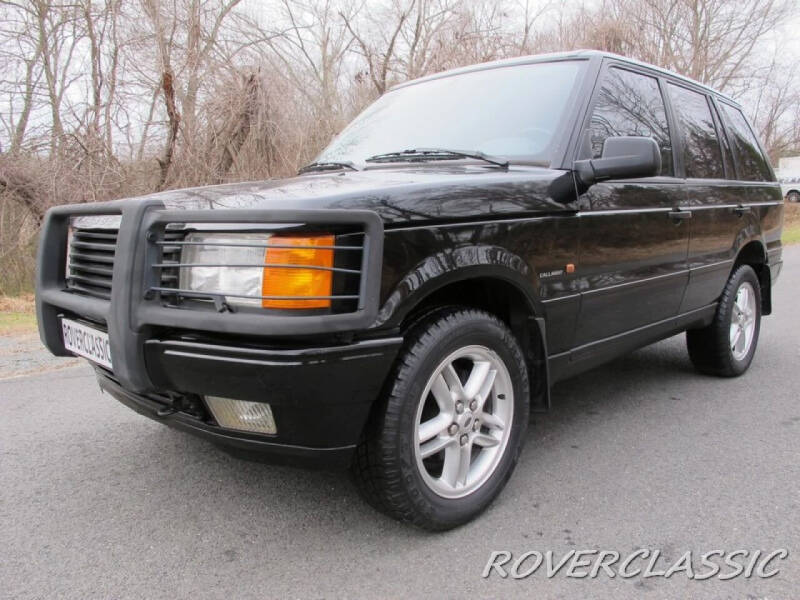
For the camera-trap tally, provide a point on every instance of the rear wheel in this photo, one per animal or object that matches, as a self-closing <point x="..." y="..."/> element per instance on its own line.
<point x="793" y="196"/>
<point x="726" y="347"/>
<point x="452" y="423"/>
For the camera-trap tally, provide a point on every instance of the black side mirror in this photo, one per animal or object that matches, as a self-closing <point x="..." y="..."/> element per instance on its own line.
<point x="623" y="157"/>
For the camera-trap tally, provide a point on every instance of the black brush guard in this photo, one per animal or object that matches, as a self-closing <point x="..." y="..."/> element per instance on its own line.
<point x="136" y="304"/>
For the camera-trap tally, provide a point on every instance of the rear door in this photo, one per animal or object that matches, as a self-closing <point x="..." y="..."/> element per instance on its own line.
<point x="633" y="252"/>
<point x="723" y="167"/>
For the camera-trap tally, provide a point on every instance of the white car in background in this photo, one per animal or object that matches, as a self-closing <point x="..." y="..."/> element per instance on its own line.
<point x="790" y="186"/>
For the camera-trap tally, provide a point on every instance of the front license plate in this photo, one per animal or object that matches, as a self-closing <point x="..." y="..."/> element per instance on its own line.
<point x="86" y="341"/>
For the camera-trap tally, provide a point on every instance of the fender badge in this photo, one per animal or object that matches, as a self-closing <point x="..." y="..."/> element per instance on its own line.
<point x="570" y="268"/>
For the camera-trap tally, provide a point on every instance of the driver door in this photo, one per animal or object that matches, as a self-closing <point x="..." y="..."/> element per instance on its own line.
<point x="634" y="242"/>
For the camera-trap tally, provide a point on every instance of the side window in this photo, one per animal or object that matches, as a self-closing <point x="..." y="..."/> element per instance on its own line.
<point x="727" y="155"/>
<point x="631" y="104"/>
<point x="702" y="156"/>
<point x="751" y="163"/>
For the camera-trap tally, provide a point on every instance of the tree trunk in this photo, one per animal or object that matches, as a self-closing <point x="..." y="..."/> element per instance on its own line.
<point x="240" y="128"/>
<point x="165" y="162"/>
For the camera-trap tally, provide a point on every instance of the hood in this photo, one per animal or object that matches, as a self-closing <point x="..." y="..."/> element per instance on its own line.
<point x="398" y="195"/>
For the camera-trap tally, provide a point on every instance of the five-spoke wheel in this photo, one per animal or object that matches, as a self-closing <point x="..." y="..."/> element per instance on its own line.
<point x="462" y="421"/>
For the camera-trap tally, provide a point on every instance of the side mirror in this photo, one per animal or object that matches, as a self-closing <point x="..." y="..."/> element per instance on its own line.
<point x="623" y="157"/>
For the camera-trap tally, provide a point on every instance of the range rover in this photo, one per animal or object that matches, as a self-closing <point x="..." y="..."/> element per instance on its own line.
<point x="404" y="303"/>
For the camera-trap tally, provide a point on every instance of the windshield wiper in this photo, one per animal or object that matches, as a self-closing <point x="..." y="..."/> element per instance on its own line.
<point x="327" y="166"/>
<point x="422" y="154"/>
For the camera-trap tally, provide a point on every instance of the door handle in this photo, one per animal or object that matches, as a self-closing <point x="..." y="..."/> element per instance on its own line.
<point x="680" y="215"/>
<point x="740" y="210"/>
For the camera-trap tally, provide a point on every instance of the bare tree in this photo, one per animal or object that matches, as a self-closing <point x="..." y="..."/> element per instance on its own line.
<point x="101" y="24"/>
<point x="311" y="51"/>
<point x="712" y="41"/>
<point x="776" y="109"/>
<point x="163" y="35"/>
<point x="57" y="27"/>
<point x="204" y="24"/>
<point x="31" y="52"/>
<point x="379" y="49"/>
<point x="96" y="93"/>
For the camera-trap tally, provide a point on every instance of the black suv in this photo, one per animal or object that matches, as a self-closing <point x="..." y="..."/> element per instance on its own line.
<point x="406" y="301"/>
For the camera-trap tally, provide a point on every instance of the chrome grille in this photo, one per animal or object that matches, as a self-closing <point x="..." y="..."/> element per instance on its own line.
<point x="91" y="261"/>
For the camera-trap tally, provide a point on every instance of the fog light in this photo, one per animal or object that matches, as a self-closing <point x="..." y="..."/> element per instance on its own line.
<point x="242" y="415"/>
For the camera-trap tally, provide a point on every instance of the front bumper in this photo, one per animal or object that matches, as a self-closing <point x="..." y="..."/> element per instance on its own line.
<point x="318" y="372"/>
<point x="321" y="397"/>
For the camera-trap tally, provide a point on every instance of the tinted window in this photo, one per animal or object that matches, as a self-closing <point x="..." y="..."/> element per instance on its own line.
<point x="631" y="104"/>
<point x="749" y="160"/>
<point x="727" y="155"/>
<point x="512" y="112"/>
<point x="702" y="157"/>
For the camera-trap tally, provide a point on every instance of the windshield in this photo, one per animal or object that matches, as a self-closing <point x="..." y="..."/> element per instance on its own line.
<point x="512" y="112"/>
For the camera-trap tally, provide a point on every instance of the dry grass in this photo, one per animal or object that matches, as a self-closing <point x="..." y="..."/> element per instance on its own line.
<point x="19" y="304"/>
<point x="791" y="234"/>
<point x="791" y="213"/>
<point x="791" y="224"/>
<point x="17" y="314"/>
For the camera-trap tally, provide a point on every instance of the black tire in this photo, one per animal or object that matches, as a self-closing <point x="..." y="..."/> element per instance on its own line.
<point x="710" y="348"/>
<point x="386" y="468"/>
<point x="793" y="196"/>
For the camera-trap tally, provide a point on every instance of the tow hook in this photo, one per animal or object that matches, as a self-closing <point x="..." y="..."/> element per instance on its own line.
<point x="173" y="407"/>
<point x="166" y="411"/>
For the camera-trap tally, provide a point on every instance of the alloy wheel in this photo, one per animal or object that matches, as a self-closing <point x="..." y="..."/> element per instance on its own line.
<point x="743" y="321"/>
<point x="463" y="421"/>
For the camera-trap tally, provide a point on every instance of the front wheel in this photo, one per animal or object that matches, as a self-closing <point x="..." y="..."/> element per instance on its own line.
<point x="727" y="346"/>
<point x="448" y="433"/>
<point x="793" y="196"/>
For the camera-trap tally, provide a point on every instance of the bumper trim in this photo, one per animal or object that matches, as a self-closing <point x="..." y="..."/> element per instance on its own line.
<point x="320" y="396"/>
<point x="241" y="445"/>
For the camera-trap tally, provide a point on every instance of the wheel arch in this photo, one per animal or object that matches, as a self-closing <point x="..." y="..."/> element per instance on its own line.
<point x="754" y="254"/>
<point x="501" y="286"/>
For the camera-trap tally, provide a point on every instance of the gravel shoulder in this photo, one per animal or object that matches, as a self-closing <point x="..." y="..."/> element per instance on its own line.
<point x="22" y="353"/>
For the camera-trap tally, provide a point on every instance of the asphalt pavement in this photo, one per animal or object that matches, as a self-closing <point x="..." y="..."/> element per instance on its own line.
<point x="643" y="453"/>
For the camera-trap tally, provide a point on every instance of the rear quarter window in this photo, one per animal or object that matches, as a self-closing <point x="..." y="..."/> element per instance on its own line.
<point x="750" y="162"/>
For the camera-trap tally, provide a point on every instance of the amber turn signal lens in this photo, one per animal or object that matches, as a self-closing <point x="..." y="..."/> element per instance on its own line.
<point x="297" y="282"/>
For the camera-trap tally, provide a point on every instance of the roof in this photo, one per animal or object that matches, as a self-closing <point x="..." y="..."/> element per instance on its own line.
<point x="558" y="56"/>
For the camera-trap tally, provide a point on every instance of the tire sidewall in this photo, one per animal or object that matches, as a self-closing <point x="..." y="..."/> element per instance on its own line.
<point x="482" y="331"/>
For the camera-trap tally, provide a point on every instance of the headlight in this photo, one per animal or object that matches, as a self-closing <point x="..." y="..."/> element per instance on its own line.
<point x="219" y="250"/>
<point x="271" y="271"/>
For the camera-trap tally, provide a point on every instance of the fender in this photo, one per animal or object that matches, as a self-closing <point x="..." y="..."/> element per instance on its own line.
<point x="451" y="266"/>
<point x="478" y="262"/>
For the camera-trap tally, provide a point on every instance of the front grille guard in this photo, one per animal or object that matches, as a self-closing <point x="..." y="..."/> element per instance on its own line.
<point x="136" y="305"/>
